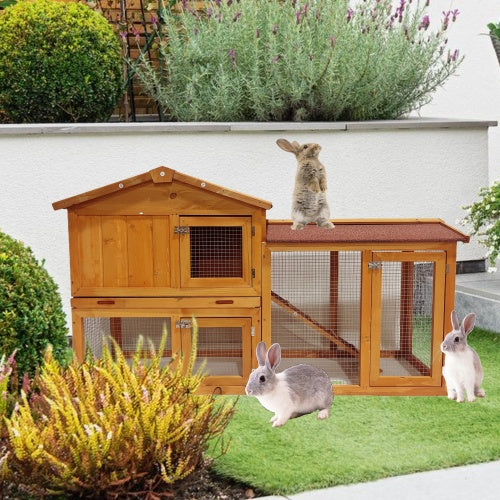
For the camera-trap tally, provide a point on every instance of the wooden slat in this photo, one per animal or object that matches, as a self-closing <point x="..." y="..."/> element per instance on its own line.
<point x="90" y="251"/>
<point x="114" y="251"/>
<point x="161" y="251"/>
<point x="330" y="335"/>
<point x="140" y="250"/>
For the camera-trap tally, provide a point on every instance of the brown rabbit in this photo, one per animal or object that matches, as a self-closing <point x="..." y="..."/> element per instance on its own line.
<point x="309" y="202"/>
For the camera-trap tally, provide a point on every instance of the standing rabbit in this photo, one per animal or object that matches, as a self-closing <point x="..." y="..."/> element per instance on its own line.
<point x="309" y="202"/>
<point x="297" y="391"/>
<point x="462" y="367"/>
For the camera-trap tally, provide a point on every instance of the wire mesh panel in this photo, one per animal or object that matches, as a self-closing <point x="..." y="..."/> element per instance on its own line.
<point x="406" y="318"/>
<point x="216" y="251"/>
<point x="220" y="350"/>
<point x="315" y="311"/>
<point x="126" y="332"/>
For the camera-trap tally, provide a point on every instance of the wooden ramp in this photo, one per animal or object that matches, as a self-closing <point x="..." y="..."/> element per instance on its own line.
<point x="305" y="318"/>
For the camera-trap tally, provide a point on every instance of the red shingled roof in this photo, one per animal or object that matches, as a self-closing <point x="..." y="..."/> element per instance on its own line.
<point x="366" y="230"/>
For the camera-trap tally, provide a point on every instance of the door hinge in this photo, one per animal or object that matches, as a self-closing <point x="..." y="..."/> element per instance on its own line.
<point x="253" y="230"/>
<point x="183" y="323"/>
<point x="181" y="229"/>
<point x="447" y="269"/>
<point x="252" y="331"/>
<point x="374" y="265"/>
<point x="253" y="272"/>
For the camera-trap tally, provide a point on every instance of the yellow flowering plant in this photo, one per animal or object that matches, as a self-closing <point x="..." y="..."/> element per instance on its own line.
<point x="111" y="426"/>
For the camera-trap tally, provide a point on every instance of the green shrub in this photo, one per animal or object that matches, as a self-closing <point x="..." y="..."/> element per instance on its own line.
<point x="59" y="62"/>
<point x="110" y="428"/>
<point x="298" y="60"/>
<point x="31" y="315"/>
<point x="484" y="217"/>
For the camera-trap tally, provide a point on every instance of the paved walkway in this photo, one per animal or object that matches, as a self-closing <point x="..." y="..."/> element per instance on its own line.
<point x="471" y="482"/>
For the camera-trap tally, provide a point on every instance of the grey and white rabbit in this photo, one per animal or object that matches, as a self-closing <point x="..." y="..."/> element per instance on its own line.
<point x="296" y="391"/>
<point x="462" y="367"/>
<point x="309" y="202"/>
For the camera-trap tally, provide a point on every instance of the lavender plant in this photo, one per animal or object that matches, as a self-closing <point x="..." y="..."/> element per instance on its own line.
<point x="297" y="60"/>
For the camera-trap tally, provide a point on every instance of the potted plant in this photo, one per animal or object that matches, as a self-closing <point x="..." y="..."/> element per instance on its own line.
<point x="495" y="38"/>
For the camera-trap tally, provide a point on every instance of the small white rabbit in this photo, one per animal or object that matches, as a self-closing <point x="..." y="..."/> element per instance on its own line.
<point x="297" y="391"/>
<point x="309" y="202"/>
<point x="462" y="367"/>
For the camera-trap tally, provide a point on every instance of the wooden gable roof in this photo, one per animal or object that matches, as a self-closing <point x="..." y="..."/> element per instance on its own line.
<point x="158" y="176"/>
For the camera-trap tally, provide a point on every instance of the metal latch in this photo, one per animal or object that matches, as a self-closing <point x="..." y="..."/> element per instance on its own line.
<point x="252" y="331"/>
<point x="374" y="265"/>
<point x="183" y="323"/>
<point x="181" y="229"/>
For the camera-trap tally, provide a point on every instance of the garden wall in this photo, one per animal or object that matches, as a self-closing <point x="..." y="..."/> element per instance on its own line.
<point x="409" y="168"/>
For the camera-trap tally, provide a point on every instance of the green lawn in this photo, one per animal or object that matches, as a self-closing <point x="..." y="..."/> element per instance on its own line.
<point x="366" y="437"/>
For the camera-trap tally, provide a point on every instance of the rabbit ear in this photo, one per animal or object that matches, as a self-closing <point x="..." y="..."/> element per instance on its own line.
<point x="468" y="323"/>
<point x="454" y="320"/>
<point x="273" y="357"/>
<point x="287" y="146"/>
<point x="261" y="353"/>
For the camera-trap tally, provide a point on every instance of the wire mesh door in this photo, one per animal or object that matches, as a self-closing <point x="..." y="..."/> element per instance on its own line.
<point x="223" y="349"/>
<point x="125" y="332"/>
<point x="407" y="318"/>
<point x="315" y="310"/>
<point x="215" y="251"/>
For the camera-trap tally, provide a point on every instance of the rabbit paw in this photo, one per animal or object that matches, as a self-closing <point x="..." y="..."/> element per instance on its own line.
<point x="481" y="393"/>
<point x="278" y="421"/>
<point x="327" y="225"/>
<point x="325" y="413"/>
<point x="297" y="225"/>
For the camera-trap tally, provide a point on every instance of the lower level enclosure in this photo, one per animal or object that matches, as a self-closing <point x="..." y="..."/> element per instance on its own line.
<point x="371" y="319"/>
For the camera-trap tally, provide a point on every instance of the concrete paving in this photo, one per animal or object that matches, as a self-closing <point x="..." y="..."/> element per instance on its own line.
<point x="470" y="482"/>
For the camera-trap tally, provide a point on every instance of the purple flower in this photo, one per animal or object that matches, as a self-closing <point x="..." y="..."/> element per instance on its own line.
<point x="236" y="16"/>
<point x="217" y="2"/>
<point x="258" y="33"/>
<point x="446" y="19"/>
<point x="298" y="15"/>
<point x="232" y="57"/>
<point x="123" y="35"/>
<point x="275" y="29"/>
<point x="454" y="14"/>
<point x="154" y="22"/>
<point x="424" y="23"/>
<point x="453" y="56"/>
<point x="229" y="3"/>
<point x="350" y="14"/>
<point x="275" y="59"/>
<point x="332" y="40"/>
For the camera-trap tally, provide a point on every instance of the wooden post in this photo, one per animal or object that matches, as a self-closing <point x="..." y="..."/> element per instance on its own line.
<point x="406" y="310"/>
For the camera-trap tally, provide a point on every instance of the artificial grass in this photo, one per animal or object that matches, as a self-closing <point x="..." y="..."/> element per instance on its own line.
<point x="366" y="437"/>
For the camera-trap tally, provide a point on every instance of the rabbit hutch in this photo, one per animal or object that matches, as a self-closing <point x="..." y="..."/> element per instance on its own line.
<point x="367" y="301"/>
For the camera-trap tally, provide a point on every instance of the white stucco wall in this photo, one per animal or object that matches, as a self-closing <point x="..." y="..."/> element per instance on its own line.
<point x="375" y="170"/>
<point x="474" y="92"/>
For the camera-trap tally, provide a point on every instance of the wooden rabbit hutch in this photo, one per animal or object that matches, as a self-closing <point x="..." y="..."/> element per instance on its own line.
<point x="368" y="301"/>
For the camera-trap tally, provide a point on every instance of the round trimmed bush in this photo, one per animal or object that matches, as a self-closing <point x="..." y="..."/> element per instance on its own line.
<point x="59" y="62"/>
<point x="31" y="315"/>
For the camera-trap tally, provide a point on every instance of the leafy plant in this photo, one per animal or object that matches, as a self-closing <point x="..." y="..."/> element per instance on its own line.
<point x="112" y="426"/>
<point x="297" y="60"/>
<point x="59" y="62"/>
<point x="484" y="217"/>
<point x="494" y="29"/>
<point x="31" y="314"/>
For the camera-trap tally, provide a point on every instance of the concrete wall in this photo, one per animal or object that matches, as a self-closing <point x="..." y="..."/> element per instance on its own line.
<point x="387" y="169"/>
<point x="474" y="92"/>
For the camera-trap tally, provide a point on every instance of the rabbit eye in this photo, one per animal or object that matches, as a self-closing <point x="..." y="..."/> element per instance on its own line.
<point x="305" y="146"/>
<point x="457" y="339"/>
<point x="262" y="378"/>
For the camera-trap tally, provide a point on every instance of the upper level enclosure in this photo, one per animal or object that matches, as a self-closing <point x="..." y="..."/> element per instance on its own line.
<point x="163" y="233"/>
